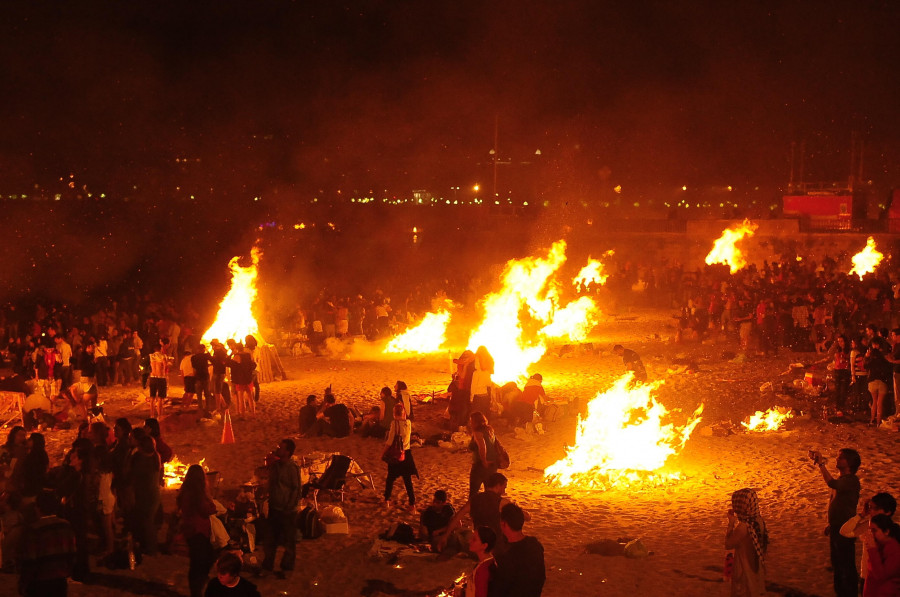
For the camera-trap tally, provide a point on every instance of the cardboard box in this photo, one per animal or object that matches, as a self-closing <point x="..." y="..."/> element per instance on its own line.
<point x="337" y="528"/>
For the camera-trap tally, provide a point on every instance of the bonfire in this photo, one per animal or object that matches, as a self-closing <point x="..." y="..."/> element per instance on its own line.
<point x="527" y="313"/>
<point x="725" y="249"/>
<point x="866" y="260"/>
<point x="770" y="420"/>
<point x="626" y="439"/>
<point x="427" y="337"/>
<point x="175" y="470"/>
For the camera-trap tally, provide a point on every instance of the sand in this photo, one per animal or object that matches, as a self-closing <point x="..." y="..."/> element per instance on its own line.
<point x="682" y="523"/>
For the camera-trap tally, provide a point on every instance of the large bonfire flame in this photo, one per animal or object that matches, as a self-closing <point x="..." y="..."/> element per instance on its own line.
<point x="426" y="337"/>
<point x="866" y="260"/>
<point x="521" y="317"/>
<point x="770" y="420"/>
<point x="624" y="440"/>
<point x="235" y="319"/>
<point x="725" y="250"/>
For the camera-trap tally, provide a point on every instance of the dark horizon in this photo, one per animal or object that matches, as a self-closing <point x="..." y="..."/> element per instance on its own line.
<point x="376" y="95"/>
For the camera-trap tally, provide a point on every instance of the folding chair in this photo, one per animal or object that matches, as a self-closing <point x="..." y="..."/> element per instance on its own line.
<point x="335" y="477"/>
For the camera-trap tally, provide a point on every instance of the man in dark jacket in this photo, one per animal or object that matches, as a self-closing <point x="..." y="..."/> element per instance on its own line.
<point x="520" y="571"/>
<point x="284" y="494"/>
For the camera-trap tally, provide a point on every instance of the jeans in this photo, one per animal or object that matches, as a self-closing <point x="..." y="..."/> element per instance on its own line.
<point x="282" y="530"/>
<point x="201" y="557"/>
<point x="843" y="561"/>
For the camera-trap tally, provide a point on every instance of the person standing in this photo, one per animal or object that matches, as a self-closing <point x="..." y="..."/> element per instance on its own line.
<point x="400" y="428"/>
<point x="200" y="363"/>
<point x="841" y="508"/>
<point x="882" y="544"/>
<point x="101" y="361"/>
<point x="187" y="375"/>
<point x="484" y="452"/>
<point x="196" y="506"/>
<point x="159" y="378"/>
<point x="481" y="544"/>
<point x="284" y="494"/>
<point x="748" y="537"/>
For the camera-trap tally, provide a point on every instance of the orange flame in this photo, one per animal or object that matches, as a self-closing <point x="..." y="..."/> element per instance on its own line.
<point x="175" y="470"/>
<point x="866" y="260"/>
<point x="426" y="337"/>
<point x="521" y="317"/>
<point x="594" y="272"/>
<point x="235" y="319"/>
<point x="725" y="250"/>
<point x="623" y="440"/>
<point x="769" y="420"/>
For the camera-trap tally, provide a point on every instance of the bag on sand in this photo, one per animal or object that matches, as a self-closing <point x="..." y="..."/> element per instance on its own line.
<point x="309" y="523"/>
<point x="502" y="454"/>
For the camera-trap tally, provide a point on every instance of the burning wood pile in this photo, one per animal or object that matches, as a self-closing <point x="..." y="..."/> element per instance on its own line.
<point x="626" y="439"/>
<point x="725" y="249"/>
<point x="175" y="470"/>
<point x="770" y="420"/>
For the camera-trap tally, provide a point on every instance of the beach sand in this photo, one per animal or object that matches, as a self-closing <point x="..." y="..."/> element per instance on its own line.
<point x="682" y="523"/>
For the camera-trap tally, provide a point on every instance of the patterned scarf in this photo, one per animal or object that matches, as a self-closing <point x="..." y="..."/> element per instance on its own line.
<point x="746" y="507"/>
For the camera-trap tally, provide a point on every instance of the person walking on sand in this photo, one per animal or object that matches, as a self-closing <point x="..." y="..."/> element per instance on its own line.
<point x="284" y="494"/>
<point x="841" y="508"/>
<point x="400" y="428"/>
<point x="748" y="537"/>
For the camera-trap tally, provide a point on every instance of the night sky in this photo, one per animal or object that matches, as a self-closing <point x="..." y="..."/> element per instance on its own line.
<point x="404" y="95"/>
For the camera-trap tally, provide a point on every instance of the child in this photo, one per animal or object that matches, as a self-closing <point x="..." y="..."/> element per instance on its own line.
<point x="228" y="581"/>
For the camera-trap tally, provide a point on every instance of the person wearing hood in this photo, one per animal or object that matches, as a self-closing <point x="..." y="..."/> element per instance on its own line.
<point x="748" y="537"/>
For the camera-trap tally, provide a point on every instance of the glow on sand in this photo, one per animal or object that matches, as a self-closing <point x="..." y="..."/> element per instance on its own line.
<point x="235" y="318"/>
<point x="626" y="439"/>
<point x="725" y="249"/>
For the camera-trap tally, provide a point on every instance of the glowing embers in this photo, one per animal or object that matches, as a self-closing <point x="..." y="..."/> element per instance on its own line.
<point x="427" y="337"/>
<point x="866" y="260"/>
<point x="625" y="440"/>
<point x="770" y="420"/>
<point x="527" y="312"/>
<point x="235" y="319"/>
<point x="725" y="249"/>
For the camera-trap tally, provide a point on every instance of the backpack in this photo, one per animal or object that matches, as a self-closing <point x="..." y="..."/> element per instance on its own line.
<point x="309" y="523"/>
<point x="502" y="454"/>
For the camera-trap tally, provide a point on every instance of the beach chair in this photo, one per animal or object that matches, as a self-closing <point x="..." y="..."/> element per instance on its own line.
<point x="334" y="479"/>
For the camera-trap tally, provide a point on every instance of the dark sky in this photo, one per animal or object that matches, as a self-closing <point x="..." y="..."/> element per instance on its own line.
<point x="404" y="94"/>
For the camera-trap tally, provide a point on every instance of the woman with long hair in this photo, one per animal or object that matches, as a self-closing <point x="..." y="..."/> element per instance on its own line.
<point x="400" y="430"/>
<point x="882" y="543"/>
<point x="30" y="474"/>
<point x="196" y="506"/>
<point x="481" y="543"/>
<point x="484" y="451"/>
<point x="748" y="537"/>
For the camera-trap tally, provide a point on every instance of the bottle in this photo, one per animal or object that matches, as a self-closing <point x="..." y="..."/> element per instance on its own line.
<point x="132" y="562"/>
<point x="729" y="565"/>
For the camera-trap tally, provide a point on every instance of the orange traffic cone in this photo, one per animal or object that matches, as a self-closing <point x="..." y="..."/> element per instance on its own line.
<point x="227" y="431"/>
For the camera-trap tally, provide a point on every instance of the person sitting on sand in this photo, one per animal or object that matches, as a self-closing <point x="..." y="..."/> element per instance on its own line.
<point x="524" y="406"/>
<point x="335" y="420"/>
<point x="228" y="581"/>
<point x="435" y="518"/>
<point x="880" y="503"/>
<point x="371" y="424"/>
<point x="484" y="508"/>
<point x="308" y="414"/>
